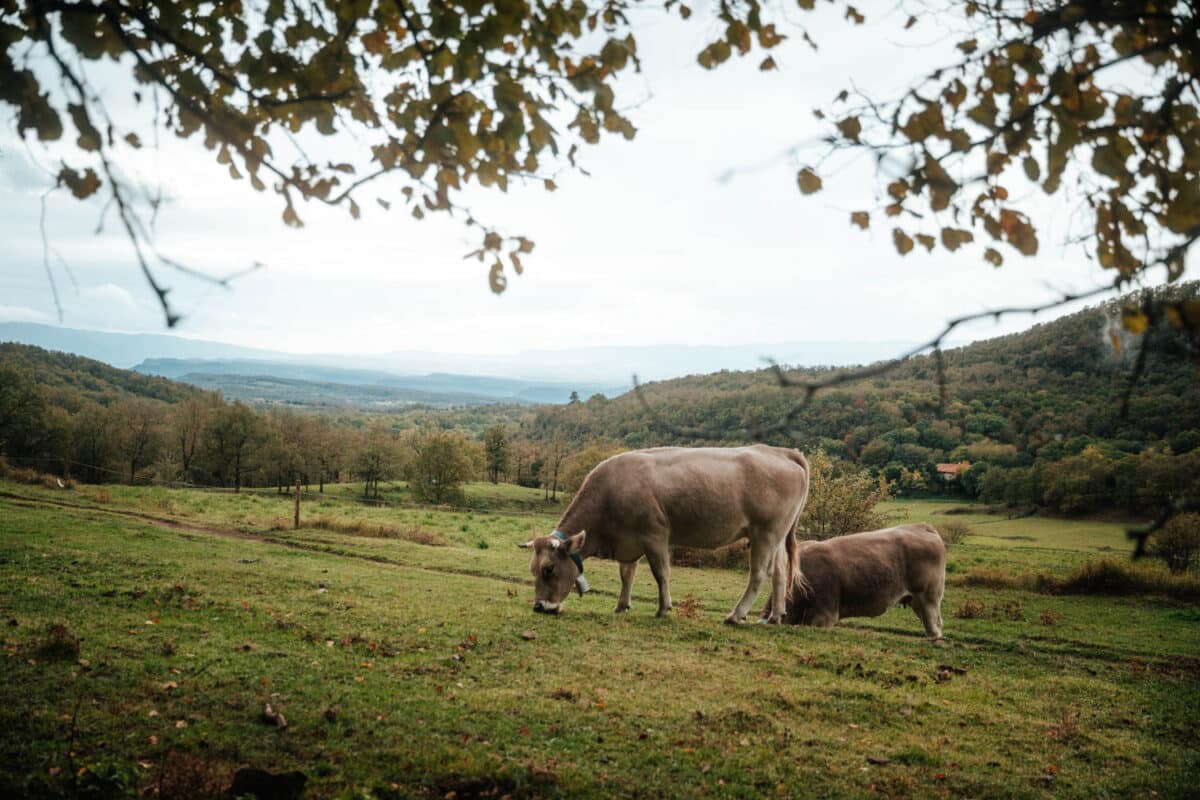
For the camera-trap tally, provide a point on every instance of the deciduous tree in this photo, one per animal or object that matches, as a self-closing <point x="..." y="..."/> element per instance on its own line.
<point x="138" y="433"/>
<point x="497" y="451"/>
<point x="440" y="462"/>
<point x="232" y="437"/>
<point x="841" y="499"/>
<point x="579" y="464"/>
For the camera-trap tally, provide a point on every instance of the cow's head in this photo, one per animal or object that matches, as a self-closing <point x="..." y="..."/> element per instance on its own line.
<point x="554" y="570"/>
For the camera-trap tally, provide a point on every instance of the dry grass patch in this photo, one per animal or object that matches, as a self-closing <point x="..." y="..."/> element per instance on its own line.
<point x="975" y="609"/>
<point x="375" y="530"/>
<point x="34" y="477"/>
<point x="1050" y="618"/>
<point x="1103" y="577"/>
<point x="689" y="607"/>
<point x="364" y="528"/>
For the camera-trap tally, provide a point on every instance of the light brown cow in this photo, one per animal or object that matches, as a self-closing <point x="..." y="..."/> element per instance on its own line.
<point x="643" y="502"/>
<point x="865" y="574"/>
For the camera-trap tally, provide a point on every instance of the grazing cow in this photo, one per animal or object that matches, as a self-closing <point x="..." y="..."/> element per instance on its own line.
<point x="642" y="502"/>
<point x="865" y="574"/>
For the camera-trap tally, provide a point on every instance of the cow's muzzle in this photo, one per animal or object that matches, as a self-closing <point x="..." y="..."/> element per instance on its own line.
<point x="540" y="607"/>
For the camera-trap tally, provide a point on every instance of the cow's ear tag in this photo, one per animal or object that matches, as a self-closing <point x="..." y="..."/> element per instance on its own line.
<point x="581" y="586"/>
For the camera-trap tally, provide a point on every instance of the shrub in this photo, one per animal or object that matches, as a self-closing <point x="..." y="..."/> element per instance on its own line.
<point x="1178" y="543"/>
<point x="971" y="609"/>
<point x="1123" y="578"/>
<point x="1102" y="577"/>
<point x="954" y="531"/>
<point x="1105" y="577"/>
<point x="1010" y="610"/>
<point x="842" y="499"/>
<point x="22" y="475"/>
<point x="977" y="609"/>
<point x="988" y="578"/>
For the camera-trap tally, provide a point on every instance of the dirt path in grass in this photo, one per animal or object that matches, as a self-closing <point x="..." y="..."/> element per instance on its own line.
<point x="168" y="523"/>
<point x="163" y="522"/>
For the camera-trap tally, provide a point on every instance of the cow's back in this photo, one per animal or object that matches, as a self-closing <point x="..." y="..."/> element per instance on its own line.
<point x="705" y="497"/>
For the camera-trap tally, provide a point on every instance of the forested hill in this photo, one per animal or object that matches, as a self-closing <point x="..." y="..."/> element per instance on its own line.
<point x="1045" y="393"/>
<point x="69" y="379"/>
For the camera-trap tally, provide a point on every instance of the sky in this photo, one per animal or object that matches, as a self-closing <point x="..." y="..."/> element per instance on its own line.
<point x="658" y="245"/>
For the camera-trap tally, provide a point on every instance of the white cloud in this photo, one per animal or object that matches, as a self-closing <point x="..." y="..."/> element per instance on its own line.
<point x="23" y="314"/>
<point x="111" y="293"/>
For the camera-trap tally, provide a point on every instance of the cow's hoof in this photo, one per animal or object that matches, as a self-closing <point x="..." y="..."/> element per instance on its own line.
<point x="732" y="620"/>
<point x="620" y="608"/>
<point x="662" y="612"/>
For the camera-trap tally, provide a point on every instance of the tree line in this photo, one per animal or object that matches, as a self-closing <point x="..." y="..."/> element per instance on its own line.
<point x="77" y="419"/>
<point x="1033" y="419"/>
<point x="1028" y="418"/>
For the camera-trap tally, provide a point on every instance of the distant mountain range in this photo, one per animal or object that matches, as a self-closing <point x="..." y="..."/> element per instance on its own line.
<point x="315" y="384"/>
<point x="124" y="350"/>
<point x="593" y="366"/>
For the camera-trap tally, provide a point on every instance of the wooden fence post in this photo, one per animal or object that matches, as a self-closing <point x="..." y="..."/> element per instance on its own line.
<point x="297" y="520"/>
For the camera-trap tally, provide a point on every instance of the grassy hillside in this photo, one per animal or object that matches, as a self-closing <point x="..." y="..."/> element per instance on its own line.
<point x="1036" y="390"/>
<point x="400" y="646"/>
<point x="69" y="378"/>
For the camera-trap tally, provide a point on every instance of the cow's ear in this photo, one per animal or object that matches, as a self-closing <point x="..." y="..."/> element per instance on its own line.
<point x="575" y="543"/>
<point x="527" y="544"/>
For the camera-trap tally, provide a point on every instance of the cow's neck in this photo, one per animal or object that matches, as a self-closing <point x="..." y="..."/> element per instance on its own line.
<point x="582" y="515"/>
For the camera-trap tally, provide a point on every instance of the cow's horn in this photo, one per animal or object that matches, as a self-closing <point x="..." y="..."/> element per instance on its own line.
<point x="526" y="544"/>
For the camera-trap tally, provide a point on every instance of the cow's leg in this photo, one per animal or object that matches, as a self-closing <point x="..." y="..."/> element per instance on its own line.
<point x="929" y="615"/>
<point x="627" y="570"/>
<point x="928" y="605"/>
<point x="659" y="559"/>
<point x="760" y="566"/>
<point x="822" y="619"/>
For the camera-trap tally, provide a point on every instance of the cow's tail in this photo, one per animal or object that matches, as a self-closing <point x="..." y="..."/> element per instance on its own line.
<point x="797" y="582"/>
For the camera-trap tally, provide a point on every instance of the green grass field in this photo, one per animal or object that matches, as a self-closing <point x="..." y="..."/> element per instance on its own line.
<point x="400" y="646"/>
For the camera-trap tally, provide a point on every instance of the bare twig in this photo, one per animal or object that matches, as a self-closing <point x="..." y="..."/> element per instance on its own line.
<point x="46" y="254"/>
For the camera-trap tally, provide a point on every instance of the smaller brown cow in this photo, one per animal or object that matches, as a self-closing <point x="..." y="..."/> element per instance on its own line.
<point x="865" y="574"/>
